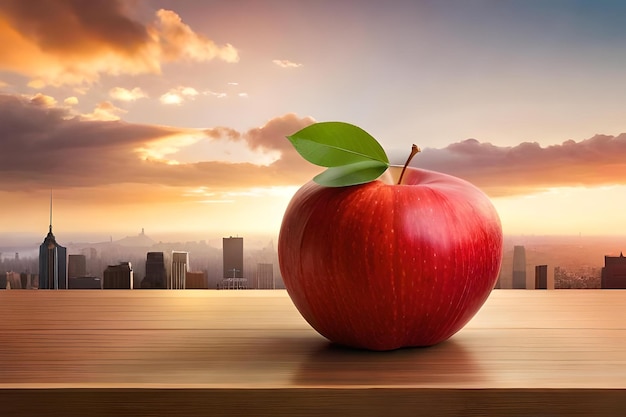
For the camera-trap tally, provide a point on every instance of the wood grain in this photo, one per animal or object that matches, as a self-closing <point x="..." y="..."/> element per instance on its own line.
<point x="207" y="352"/>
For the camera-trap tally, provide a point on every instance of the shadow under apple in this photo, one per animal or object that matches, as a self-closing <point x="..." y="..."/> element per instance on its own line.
<point x="445" y="364"/>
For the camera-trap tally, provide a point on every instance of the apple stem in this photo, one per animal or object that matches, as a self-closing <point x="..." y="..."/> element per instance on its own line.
<point x="414" y="151"/>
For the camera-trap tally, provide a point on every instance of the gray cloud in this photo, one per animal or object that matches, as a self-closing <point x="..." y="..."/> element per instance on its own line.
<point x="43" y="147"/>
<point x="75" y="27"/>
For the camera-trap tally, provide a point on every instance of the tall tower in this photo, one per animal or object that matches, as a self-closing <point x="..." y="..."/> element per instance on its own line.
<point x="541" y="277"/>
<point x="180" y="266"/>
<point x="232" y="248"/>
<point x="232" y="252"/>
<point x="52" y="261"/>
<point x="519" y="267"/>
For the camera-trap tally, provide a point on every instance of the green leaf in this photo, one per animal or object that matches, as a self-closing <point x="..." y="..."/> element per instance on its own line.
<point x="334" y="144"/>
<point x="351" y="174"/>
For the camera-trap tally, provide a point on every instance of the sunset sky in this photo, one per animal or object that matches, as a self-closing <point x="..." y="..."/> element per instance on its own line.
<point x="172" y="115"/>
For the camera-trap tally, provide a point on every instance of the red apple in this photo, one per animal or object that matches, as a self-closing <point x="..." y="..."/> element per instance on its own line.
<point x="382" y="266"/>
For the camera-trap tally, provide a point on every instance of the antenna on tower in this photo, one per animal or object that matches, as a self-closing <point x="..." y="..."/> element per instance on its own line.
<point x="50" y="211"/>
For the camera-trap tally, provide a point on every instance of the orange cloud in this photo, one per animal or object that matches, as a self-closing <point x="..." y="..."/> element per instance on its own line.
<point x="177" y="40"/>
<point x="57" y="42"/>
<point x="215" y="94"/>
<point x="528" y="167"/>
<point x="124" y="94"/>
<point x="178" y="95"/>
<point x="43" y="100"/>
<point x="71" y="101"/>
<point x="104" y="111"/>
<point x="285" y="63"/>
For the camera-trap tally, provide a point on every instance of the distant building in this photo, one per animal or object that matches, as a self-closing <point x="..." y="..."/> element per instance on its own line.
<point x="76" y="266"/>
<point x="180" y="265"/>
<point x="13" y="281"/>
<point x="196" y="280"/>
<point x="519" y="267"/>
<point x="29" y="281"/>
<point x="90" y="253"/>
<point x="577" y="278"/>
<point x="541" y="277"/>
<point x="118" y="276"/>
<point x="52" y="264"/>
<point x="232" y="250"/>
<point x="94" y="265"/>
<point x="52" y="261"/>
<point x="85" y="283"/>
<point x="265" y="276"/>
<point x="156" y="275"/>
<point x="613" y="274"/>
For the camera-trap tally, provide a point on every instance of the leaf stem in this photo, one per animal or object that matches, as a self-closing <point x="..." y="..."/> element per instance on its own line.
<point x="414" y="151"/>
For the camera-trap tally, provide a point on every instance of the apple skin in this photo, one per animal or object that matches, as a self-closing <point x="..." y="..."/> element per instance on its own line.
<point x="381" y="266"/>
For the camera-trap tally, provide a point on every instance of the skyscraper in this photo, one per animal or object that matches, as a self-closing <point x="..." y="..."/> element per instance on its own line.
<point x="156" y="276"/>
<point x="118" y="276"/>
<point x="180" y="265"/>
<point x="541" y="277"/>
<point x="232" y="252"/>
<point x="519" y="267"/>
<point x="614" y="272"/>
<point x="232" y="249"/>
<point x="52" y="261"/>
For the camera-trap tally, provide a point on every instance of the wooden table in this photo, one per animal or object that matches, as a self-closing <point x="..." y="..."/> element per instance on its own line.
<point x="223" y="353"/>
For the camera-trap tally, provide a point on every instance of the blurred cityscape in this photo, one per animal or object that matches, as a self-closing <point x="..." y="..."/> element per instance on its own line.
<point x="139" y="262"/>
<point x="563" y="262"/>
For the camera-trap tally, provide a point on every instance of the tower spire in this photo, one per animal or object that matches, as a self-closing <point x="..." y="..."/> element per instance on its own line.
<point x="51" y="211"/>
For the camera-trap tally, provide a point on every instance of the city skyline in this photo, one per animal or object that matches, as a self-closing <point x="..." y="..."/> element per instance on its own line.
<point x="172" y="116"/>
<point x="558" y="263"/>
<point x="141" y="263"/>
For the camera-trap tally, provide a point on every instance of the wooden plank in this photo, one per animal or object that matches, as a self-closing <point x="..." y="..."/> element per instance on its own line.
<point x="475" y="358"/>
<point x="311" y="402"/>
<point x="561" y="351"/>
